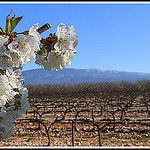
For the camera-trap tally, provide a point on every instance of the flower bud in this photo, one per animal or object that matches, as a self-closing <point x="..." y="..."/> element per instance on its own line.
<point x="11" y="39"/>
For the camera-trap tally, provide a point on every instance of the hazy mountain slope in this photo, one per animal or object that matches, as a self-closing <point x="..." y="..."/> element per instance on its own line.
<point x="73" y="76"/>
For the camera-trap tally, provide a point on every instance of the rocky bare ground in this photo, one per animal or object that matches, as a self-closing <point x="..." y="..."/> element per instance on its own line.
<point x="127" y="135"/>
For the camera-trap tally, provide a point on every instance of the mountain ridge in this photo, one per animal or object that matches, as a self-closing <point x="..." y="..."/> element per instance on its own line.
<point x="76" y="76"/>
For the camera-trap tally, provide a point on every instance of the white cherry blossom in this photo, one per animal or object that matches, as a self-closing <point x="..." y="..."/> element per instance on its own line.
<point x="33" y="31"/>
<point x="53" y="61"/>
<point x="8" y="96"/>
<point x="67" y="40"/>
<point x="21" y="50"/>
<point x="59" y="58"/>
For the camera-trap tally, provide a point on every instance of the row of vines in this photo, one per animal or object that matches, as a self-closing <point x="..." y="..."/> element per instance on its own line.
<point x="89" y="108"/>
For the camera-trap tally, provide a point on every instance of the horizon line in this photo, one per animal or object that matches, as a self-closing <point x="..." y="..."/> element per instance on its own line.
<point x="89" y="69"/>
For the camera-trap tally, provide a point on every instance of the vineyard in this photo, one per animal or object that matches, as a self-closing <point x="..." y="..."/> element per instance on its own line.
<point x="87" y="114"/>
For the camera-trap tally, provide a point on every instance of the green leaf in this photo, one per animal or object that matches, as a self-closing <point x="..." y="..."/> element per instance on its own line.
<point x="11" y="23"/>
<point x="14" y="22"/>
<point x="8" y="25"/>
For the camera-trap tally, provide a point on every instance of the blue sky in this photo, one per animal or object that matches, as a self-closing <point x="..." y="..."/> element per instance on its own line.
<point x="111" y="36"/>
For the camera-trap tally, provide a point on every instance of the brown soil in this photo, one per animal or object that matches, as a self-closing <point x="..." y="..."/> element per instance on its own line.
<point x="27" y="135"/>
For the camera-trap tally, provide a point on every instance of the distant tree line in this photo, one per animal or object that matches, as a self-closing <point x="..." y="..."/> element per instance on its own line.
<point x="89" y="89"/>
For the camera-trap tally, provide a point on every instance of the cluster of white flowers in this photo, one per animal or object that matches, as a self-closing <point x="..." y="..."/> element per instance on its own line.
<point x="13" y="101"/>
<point x="13" y="94"/>
<point x="59" y="57"/>
<point x="21" y="50"/>
<point x="15" y="52"/>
